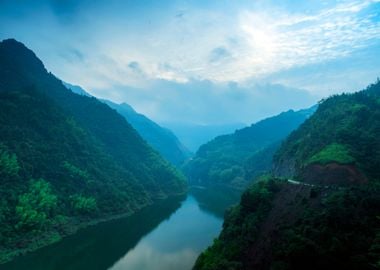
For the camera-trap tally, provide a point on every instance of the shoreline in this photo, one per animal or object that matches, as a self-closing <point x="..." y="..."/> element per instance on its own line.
<point x="70" y="228"/>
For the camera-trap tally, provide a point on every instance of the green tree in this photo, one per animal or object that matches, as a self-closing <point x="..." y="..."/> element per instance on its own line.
<point x="35" y="207"/>
<point x="8" y="163"/>
<point x="82" y="204"/>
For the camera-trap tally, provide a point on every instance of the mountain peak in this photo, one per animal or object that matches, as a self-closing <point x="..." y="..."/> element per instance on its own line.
<point x="22" y="64"/>
<point x="12" y="45"/>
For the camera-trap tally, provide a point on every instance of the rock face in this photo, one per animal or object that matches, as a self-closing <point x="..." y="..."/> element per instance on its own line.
<point x="285" y="168"/>
<point x="332" y="174"/>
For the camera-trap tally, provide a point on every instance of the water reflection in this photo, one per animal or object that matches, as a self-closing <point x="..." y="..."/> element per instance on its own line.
<point x="215" y="200"/>
<point x="176" y="242"/>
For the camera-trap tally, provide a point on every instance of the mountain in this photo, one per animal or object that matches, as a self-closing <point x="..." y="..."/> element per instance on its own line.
<point x="66" y="160"/>
<point x="160" y="138"/>
<point x="235" y="159"/>
<point x="321" y="207"/>
<point x="194" y="135"/>
<point x="76" y="89"/>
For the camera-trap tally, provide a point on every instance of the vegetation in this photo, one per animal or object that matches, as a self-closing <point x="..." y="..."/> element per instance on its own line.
<point x="240" y="229"/>
<point x="161" y="139"/>
<point x="332" y="153"/>
<point x="35" y="208"/>
<point x="158" y="137"/>
<point x="234" y="160"/>
<point x="9" y="166"/>
<point x="351" y="121"/>
<point x="82" y="204"/>
<point x="296" y="226"/>
<point x="66" y="160"/>
<point x="340" y="234"/>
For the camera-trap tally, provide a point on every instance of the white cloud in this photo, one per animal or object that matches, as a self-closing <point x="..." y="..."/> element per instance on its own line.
<point x="281" y="40"/>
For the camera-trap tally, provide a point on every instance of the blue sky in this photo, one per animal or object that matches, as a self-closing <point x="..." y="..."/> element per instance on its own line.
<point x="203" y="61"/>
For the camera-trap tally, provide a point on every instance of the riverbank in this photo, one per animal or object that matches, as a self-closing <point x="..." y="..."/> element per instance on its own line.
<point x="168" y="235"/>
<point x="68" y="227"/>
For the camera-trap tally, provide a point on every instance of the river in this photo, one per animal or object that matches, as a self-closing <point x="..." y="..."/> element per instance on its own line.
<point x="168" y="235"/>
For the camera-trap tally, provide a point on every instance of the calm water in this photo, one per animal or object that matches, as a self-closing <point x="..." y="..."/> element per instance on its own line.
<point x="168" y="235"/>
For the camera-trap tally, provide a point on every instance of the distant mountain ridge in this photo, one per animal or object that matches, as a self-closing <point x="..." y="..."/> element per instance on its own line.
<point x="76" y="89"/>
<point x="195" y="135"/>
<point x="236" y="159"/>
<point x="160" y="138"/>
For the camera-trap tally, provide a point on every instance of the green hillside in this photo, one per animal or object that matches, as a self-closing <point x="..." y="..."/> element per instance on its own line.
<point x="66" y="160"/>
<point x="330" y="222"/>
<point x="235" y="159"/>
<point x="160" y="138"/>
<point x="345" y="130"/>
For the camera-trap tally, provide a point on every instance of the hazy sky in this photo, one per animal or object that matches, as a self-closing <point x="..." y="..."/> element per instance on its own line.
<point x="203" y="61"/>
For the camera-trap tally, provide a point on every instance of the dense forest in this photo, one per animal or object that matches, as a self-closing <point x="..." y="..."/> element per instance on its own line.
<point x="66" y="160"/>
<point x="234" y="160"/>
<point x="321" y="208"/>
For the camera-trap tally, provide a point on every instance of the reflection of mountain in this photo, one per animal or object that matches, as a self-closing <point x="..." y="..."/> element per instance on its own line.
<point x="100" y="246"/>
<point x="176" y="242"/>
<point x="215" y="200"/>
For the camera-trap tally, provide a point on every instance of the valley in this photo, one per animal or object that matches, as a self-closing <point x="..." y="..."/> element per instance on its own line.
<point x="189" y="135"/>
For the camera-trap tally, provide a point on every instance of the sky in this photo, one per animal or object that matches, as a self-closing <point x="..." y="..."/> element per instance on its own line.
<point x="203" y="62"/>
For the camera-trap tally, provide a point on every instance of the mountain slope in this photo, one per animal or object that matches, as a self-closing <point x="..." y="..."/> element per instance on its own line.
<point x="66" y="160"/>
<point x="162" y="139"/>
<point x="235" y="159"/>
<point x="329" y="218"/>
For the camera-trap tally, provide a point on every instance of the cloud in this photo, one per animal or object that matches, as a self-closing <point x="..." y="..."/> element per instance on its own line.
<point x="218" y="54"/>
<point x="136" y="68"/>
<point x="282" y="40"/>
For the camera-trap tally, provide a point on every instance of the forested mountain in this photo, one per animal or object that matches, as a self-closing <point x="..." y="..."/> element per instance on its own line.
<point x="321" y="210"/>
<point x="161" y="139"/>
<point x="66" y="160"/>
<point x="235" y="159"/>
